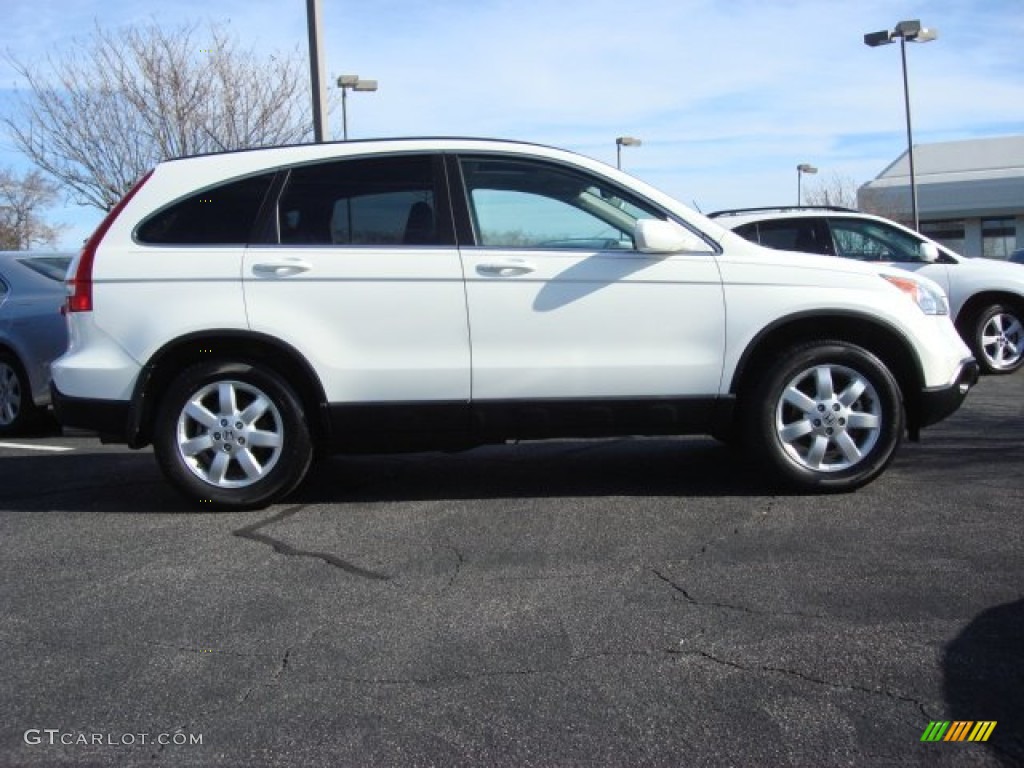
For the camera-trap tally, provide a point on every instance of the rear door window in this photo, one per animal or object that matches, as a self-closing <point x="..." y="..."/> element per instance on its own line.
<point x="386" y="201"/>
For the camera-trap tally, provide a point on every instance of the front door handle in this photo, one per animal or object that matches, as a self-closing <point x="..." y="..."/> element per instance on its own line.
<point x="505" y="268"/>
<point x="281" y="268"/>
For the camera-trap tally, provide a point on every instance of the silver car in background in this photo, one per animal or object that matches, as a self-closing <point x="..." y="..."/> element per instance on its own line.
<point x="32" y="333"/>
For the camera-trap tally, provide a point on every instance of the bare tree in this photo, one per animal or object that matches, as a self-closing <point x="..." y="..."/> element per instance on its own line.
<point x="21" y="198"/>
<point x="835" y="190"/>
<point x="101" y="116"/>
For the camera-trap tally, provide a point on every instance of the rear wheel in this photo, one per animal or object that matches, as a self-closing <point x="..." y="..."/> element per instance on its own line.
<point x="17" y="411"/>
<point x="827" y="417"/>
<point x="997" y="339"/>
<point x="232" y="435"/>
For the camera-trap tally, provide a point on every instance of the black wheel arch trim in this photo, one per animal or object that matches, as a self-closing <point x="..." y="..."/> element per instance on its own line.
<point x="873" y="333"/>
<point x="238" y="345"/>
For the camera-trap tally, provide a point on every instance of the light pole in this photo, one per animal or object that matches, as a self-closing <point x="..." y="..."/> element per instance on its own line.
<point x="354" y="83"/>
<point x="316" y="69"/>
<point x="800" y="171"/>
<point x="906" y="31"/>
<point x="624" y="141"/>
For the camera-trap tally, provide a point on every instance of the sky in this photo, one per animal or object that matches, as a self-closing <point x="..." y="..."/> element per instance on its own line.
<point x="728" y="97"/>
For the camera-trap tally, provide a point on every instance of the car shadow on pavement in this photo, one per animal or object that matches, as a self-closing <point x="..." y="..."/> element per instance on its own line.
<point x="983" y="670"/>
<point x="81" y="481"/>
<point x="548" y="469"/>
<point x="131" y="482"/>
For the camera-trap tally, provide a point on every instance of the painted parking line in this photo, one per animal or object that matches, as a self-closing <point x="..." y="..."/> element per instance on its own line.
<point x="28" y="447"/>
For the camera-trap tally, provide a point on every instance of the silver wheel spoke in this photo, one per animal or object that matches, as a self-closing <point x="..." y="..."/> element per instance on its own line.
<point x="262" y="439"/>
<point x="817" y="453"/>
<point x="863" y="420"/>
<point x="219" y="468"/>
<point x="197" y="445"/>
<point x="10" y="395"/>
<point x="197" y="411"/>
<point x="823" y="380"/>
<point x="254" y="410"/>
<point x="850" y="395"/>
<point x="796" y="430"/>
<point x="226" y="399"/>
<point x="249" y="465"/>
<point x="848" y="447"/>
<point x="799" y="400"/>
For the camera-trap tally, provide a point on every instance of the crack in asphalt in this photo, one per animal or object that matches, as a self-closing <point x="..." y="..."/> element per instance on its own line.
<point x="729" y="606"/>
<point x="444" y="679"/>
<point x="768" y="669"/>
<point x="208" y="651"/>
<point x="460" y="560"/>
<point x="252" y="532"/>
<point x="189" y="726"/>
<point x="755" y="518"/>
<point x="274" y="677"/>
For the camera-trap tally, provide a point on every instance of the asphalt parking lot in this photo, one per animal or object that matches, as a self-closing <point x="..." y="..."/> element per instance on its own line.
<point x="621" y="602"/>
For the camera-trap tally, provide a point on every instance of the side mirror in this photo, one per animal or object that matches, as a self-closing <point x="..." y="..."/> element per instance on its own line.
<point x="929" y="252"/>
<point x="664" y="237"/>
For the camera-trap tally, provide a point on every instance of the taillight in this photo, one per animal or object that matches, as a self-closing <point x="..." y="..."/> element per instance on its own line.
<point x="80" y="284"/>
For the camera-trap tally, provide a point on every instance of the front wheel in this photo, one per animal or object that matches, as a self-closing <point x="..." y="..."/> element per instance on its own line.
<point x="827" y="416"/>
<point x="997" y="339"/>
<point x="232" y="436"/>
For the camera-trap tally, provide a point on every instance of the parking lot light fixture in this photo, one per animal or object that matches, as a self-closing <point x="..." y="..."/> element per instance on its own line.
<point x="907" y="31"/>
<point x="351" y="83"/>
<point x="624" y="141"/>
<point x="800" y="171"/>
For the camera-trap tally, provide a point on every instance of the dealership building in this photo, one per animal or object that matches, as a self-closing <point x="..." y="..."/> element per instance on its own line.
<point x="970" y="194"/>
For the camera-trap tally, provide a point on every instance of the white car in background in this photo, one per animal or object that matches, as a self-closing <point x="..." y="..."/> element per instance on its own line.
<point x="237" y="310"/>
<point x="986" y="296"/>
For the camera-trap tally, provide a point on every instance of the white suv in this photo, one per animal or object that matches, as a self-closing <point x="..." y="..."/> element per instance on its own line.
<point x="986" y="295"/>
<point x="240" y="310"/>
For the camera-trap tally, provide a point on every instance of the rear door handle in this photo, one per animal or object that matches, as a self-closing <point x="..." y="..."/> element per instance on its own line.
<point x="281" y="268"/>
<point x="505" y="268"/>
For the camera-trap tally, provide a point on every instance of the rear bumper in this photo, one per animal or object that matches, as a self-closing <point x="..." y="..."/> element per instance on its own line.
<point x="938" y="403"/>
<point x="109" y="418"/>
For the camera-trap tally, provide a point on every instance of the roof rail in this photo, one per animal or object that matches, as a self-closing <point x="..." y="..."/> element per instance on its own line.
<point x="781" y="208"/>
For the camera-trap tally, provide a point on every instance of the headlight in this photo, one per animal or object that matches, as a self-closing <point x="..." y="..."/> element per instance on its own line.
<point x="931" y="301"/>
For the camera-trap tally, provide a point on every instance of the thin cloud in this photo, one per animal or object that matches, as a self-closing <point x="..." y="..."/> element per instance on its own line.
<point x="727" y="98"/>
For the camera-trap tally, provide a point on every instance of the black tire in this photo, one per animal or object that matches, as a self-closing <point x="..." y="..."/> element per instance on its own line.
<point x="827" y="416"/>
<point x="18" y="413"/>
<point x="232" y="435"/>
<point x="995" y="335"/>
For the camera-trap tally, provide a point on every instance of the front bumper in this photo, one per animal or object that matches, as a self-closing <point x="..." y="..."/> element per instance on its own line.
<point x="936" y="404"/>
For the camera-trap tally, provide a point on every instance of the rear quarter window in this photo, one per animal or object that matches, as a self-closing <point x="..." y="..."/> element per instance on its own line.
<point x="221" y="215"/>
